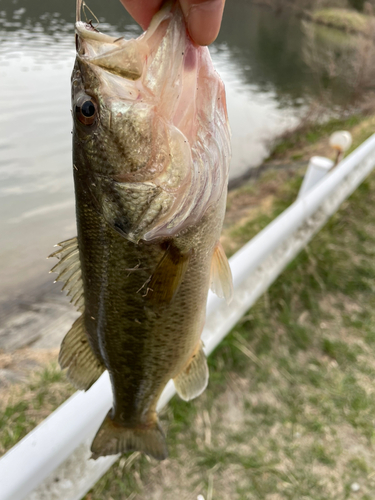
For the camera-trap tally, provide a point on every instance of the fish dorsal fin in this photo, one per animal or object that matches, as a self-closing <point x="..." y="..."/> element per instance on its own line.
<point x="69" y="271"/>
<point x="221" y="275"/>
<point x="168" y="275"/>
<point x="76" y="354"/>
<point x="193" y="379"/>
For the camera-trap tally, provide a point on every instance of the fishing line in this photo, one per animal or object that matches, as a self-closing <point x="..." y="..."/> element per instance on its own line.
<point x="89" y="21"/>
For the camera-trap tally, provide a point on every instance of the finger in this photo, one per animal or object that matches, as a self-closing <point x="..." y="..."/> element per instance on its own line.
<point x="142" y="10"/>
<point x="203" y="19"/>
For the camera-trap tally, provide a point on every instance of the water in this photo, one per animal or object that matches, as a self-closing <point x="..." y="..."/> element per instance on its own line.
<point x="259" y="56"/>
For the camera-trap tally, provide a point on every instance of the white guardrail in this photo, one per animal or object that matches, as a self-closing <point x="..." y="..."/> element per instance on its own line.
<point x="52" y="462"/>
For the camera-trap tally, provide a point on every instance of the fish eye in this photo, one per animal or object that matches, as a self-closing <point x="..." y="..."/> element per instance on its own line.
<point x="86" y="111"/>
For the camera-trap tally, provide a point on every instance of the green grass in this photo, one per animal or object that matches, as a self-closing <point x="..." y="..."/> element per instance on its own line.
<point x="30" y="404"/>
<point x="343" y="19"/>
<point x="312" y="133"/>
<point x="309" y="139"/>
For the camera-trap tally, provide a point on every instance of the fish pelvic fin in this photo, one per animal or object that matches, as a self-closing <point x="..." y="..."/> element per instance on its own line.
<point x="113" y="438"/>
<point x="69" y="271"/>
<point x="221" y="275"/>
<point x="168" y="275"/>
<point x="193" y="380"/>
<point x="76" y="355"/>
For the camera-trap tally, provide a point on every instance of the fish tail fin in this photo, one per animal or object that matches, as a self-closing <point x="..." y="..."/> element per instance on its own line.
<point x="113" y="438"/>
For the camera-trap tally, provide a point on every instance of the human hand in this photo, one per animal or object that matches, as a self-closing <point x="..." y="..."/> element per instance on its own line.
<point x="203" y="17"/>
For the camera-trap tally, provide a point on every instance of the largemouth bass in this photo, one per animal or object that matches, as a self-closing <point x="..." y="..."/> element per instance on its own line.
<point x="151" y="153"/>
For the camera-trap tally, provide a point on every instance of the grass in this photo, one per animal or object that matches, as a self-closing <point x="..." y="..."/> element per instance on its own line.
<point x="289" y="412"/>
<point x="343" y="19"/>
<point x="27" y="405"/>
<point x="310" y="139"/>
<point x="311" y="134"/>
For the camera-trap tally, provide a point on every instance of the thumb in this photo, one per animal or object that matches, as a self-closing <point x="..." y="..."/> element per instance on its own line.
<point x="203" y="19"/>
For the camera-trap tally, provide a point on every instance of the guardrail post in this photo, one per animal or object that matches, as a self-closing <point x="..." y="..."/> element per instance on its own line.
<point x="318" y="167"/>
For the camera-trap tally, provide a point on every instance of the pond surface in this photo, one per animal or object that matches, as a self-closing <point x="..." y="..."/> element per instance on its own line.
<point x="259" y="56"/>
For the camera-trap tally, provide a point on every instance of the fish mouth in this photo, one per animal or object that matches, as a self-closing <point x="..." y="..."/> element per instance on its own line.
<point x="126" y="58"/>
<point x="116" y="55"/>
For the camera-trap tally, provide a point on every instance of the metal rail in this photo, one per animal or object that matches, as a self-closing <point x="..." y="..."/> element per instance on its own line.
<point x="52" y="461"/>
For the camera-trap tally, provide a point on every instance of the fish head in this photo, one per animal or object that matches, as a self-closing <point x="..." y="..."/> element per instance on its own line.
<point x="150" y="126"/>
<point x="112" y="123"/>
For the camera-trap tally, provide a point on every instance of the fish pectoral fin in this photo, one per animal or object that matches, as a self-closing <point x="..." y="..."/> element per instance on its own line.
<point x="76" y="354"/>
<point x="69" y="271"/>
<point x="221" y="275"/>
<point x="193" y="380"/>
<point x="113" y="438"/>
<point x="168" y="275"/>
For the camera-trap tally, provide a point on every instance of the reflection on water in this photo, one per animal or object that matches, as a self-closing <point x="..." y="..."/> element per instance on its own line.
<point x="259" y="56"/>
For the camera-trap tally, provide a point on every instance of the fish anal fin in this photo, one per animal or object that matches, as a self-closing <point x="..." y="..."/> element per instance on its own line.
<point x="168" y="275"/>
<point x="69" y="270"/>
<point x="76" y="355"/>
<point x="193" y="380"/>
<point x="113" y="438"/>
<point x="221" y="275"/>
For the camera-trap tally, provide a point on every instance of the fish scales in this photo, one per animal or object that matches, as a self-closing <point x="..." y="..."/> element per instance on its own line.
<point x="115" y="275"/>
<point x="151" y="156"/>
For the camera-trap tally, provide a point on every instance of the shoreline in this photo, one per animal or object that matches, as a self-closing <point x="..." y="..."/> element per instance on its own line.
<point x="342" y="18"/>
<point x="346" y="20"/>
